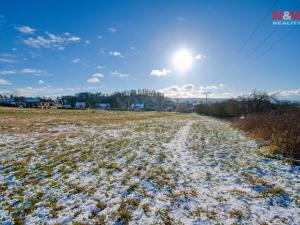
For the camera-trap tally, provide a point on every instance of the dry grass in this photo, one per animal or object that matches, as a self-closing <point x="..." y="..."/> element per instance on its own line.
<point x="97" y="157"/>
<point x="281" y="128"/>
<point x="36" y="120"/>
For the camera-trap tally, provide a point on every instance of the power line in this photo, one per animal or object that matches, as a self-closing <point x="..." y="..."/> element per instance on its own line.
<point x="279" y="40"/>
<point x="254" y="50"/>
<point x="274" y="44"/>
<point x="265" y="40"/>
<point x="257" y="27"/>
<point x="253" y="33"/>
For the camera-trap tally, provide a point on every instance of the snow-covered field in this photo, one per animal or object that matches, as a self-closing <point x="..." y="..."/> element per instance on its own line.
<point x="158" y="169"/>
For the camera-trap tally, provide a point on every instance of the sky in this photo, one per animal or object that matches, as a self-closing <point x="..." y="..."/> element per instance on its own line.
<point x="52" y="48"/>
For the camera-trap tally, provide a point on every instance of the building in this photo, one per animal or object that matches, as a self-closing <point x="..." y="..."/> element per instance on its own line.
<point x="137" y="107"/>
<point x="31" y="102"/>
<point x="80" y="105"/>
<point x="8" y="102"/>
<point x="103" y="106"/>
<point x="26" y="102"/>
<point x="65" y="105"/>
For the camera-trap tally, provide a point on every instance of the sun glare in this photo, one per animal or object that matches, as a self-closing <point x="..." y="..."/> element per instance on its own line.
<point x="182" y="60"/>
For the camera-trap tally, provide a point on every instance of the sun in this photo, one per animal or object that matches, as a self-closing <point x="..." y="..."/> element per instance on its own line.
<point x="182" y="60"/>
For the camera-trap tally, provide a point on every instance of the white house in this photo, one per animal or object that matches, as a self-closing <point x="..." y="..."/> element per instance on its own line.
<point x="80" y="105"/>
<point x="104" y="106"/>
<point x="137" y="107"/>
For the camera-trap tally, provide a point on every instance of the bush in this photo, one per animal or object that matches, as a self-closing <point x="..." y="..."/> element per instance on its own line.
<point x="256" y="102"/>
<point x="265" y="118"/>
<point x="280" y="127"/>
<point x="228" y="108"/>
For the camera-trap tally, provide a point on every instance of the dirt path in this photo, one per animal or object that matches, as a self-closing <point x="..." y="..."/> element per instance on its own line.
<point x="178" y="152"/>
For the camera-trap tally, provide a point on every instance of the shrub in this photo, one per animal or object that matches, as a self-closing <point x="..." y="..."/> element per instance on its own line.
<point x="228" y="108"/>
<point x="265" y="118"/>
<point x="256" y="102"/>
<point x="280" y="127"/>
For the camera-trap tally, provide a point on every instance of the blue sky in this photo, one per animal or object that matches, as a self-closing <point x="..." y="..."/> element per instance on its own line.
<point x="50" y="48"/>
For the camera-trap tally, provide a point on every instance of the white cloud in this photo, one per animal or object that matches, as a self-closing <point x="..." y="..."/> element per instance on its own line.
<point x="87" y="42"/>
<point x="32" y="71"/>
<point x="7" y="55"/>
<point x="5" y="92"/>
<point x="99" y="75"/>
<point x="199" y="57"/>
<point x="159" y="73"/>
<point x="27" y="92"/>
<point x="112" y="29"/>
<point x="51" y="41"/>
<point x="7" y="61"/>
<point x="212" y="87"/>
<point x="37" y="42"/>
<point x="6" y="58"/>
<point x="4" y="82"/>
<point x="48" y="91"/>
<point x="77" y="60"/>
<point x="26" y="29"/>
<point x="118" y="74"/>
<point x="41" y="82"/>
<point x="6" y="72"/>
<point x="116" y="53"/>
<point x="95" y="78"/>
<point x="43" y="91"/>
<point x="190" y="91"/>
<point x="69" y="37"/>
<point x="188" y="87"/>
<point x="99" y="36"/>
<point x="100" y="67"/>
<point x="288" y="93"/>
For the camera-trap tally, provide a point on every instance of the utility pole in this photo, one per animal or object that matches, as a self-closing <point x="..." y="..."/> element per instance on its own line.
<point x="206" y="93"/>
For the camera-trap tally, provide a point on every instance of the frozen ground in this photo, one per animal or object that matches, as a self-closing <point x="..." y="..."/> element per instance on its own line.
<point x="175" y="170"/>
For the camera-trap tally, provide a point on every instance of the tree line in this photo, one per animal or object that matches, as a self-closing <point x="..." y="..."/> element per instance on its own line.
<point x="256" y="102"/>
<point x="151" y="99"/>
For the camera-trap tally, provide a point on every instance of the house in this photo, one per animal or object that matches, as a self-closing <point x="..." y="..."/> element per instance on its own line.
<point x="46" y="104"/>
<point x="103" y="106"/>
<point x="32" y="102"/>
<point x="66" y="105"/>
<point x="8" y="102"/>
<point x="137" y="107"/>
<point x="29" y="102"/>
<point x="80" y="105"/>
